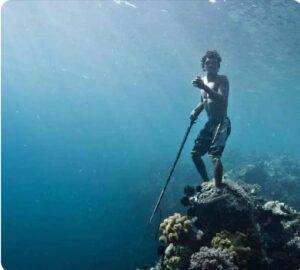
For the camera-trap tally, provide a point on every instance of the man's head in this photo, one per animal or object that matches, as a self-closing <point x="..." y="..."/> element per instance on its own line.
<point x="211" y="62"/>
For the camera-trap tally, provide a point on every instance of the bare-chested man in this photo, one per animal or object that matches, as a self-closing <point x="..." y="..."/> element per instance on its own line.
<point x="214" y="99"/>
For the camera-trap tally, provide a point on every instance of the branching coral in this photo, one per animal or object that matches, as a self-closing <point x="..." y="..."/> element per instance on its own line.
<point x="175" y="229"/>
<point x="178" y="234"/>
<point x="212" y="259"/>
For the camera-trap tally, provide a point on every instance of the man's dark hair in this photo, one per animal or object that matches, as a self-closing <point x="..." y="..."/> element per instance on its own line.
<point x="211" y="54"/>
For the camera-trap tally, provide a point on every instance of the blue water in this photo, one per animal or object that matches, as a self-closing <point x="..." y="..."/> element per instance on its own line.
<point x="96" y="97"/>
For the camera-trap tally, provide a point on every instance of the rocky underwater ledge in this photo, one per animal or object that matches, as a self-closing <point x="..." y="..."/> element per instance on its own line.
<point x="229" y="228"/>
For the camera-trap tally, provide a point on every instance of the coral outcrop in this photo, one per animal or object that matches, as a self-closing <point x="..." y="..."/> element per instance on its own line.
<point x="218" y="206"/>
<point x="230" y="228"/>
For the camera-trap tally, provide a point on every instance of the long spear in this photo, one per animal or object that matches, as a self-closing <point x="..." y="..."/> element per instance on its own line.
<point x="172" y="170"/>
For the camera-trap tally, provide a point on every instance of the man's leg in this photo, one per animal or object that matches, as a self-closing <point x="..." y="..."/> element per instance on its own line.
<point x="201" y="146"/>
<point x="199" y="163"/>
<point x="217" y="148"/>
<point x="218" y="169"/>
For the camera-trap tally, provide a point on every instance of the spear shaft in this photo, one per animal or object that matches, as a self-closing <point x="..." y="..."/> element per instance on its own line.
<point x="172" y="169"/>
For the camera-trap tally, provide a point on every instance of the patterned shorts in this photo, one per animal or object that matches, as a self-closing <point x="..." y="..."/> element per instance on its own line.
<point x="212" y="138"/>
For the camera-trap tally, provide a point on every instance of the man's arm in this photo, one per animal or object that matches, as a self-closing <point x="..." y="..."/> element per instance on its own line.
<point x="198" y="109"/>
<point x="200" y="106"/>
<point x="223" y="88"/>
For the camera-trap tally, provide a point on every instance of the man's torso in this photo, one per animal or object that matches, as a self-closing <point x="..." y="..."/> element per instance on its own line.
<point x="216" y="110"/>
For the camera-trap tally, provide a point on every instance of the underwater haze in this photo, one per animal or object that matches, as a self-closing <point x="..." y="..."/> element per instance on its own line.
<point x="96" y="97"/>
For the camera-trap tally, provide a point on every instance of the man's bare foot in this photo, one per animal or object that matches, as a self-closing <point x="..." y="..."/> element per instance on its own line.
<point x="217" y="190"/>
<point x="206" y="180"/>
<point x="218" y="182"/>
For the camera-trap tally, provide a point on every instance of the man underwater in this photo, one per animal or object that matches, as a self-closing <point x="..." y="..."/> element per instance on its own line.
<point x="214" y="90"/>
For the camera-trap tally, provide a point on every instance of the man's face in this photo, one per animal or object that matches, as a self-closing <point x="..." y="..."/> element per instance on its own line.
<point x="211" y="65"/>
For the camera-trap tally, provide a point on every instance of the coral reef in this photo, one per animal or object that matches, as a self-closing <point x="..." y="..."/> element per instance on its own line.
<point x="230" y="228"/>
<point x="212" y="258"/>
<point x="278" y="177"/>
